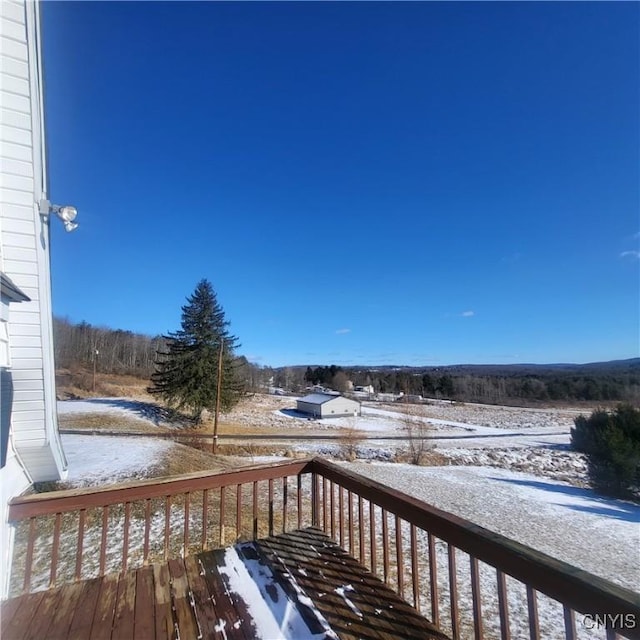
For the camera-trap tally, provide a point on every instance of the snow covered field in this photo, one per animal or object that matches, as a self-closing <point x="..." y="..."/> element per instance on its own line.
<point x="95" y="460"/>
<point x="599" y="535"/>
<point x="504" y="474"/>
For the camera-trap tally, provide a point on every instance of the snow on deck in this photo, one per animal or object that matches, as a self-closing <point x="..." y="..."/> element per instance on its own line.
<point x="273" y="614"/>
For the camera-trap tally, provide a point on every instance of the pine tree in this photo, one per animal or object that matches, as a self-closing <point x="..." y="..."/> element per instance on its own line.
<point x="186" y="373"/>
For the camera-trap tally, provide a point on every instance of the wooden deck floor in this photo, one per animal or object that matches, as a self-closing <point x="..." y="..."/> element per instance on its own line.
<point x="302" y="578"/>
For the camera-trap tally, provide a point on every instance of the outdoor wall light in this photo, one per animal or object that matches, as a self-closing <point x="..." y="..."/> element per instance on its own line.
<point x="67" y="214"/>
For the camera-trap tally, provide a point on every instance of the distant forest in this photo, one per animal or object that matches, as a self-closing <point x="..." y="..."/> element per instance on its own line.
<point x="617" y="381"/>
<point x="124" y="352"/>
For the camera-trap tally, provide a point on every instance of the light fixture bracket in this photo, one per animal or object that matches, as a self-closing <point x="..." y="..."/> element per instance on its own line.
<point x="66" y="213"/>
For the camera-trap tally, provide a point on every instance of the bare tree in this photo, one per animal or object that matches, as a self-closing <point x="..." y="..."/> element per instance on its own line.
<point x="350" y="439"/>
<point x="419" y="433"/>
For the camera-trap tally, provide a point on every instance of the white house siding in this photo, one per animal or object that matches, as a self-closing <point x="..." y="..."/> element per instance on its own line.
<point x="340" y="406"/>
<point x="327" y="406"/>
<point x="35" y="452"/>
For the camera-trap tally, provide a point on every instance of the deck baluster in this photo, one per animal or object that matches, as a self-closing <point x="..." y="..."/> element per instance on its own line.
<point x="385" y="546"/>
<point x="299" y="501"/>
<point x="350" y="520"/>
<point x="372" y="538"/>
<point x="325" y="519"/>
<point x="453" y="591"/>
<point x="341" y="513"/>
<point x="433" y="579"/>
<point x="399" y="556"/>
<point x="55" y="549"/>
<point x="503" y="606"/>
<point x="125" y="536"/>
<point x="532" y="606"/>
<point x="332" y="507"/>
<point x="315" y="500"/>
<point x="476" y="601"/>
<point x="271" y="506"/>
<point x="569" y="624"/>
<point x="415" y="568"/>
<point x="147" y="528"/>
<point x="285" y="498"/>
<point x="238" y="511"/>
<point x="103" y="538"/>
<point x="255" y="510"/>
<point x="361" y="529"/>
<point x="80" y="546"/>
<point x="205" y="520"/>
<point x="185" y="542"/>
<point x="223" y="490"/>
<point x="29" y="559"/>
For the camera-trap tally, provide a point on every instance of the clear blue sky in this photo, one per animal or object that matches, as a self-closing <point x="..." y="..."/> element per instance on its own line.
<point x="362" y="183"/>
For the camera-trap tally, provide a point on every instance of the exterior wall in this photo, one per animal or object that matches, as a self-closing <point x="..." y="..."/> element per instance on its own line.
<point x="24" y="242"/>
<point x="340" y="406"/>
<point x="309" y="408"/>
<point x="34" y="451"/>
<point x="335" y="408"/>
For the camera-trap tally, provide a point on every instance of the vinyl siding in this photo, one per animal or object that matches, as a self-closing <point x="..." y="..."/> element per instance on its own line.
<point x="14" y="480"/>
<point x="34" y="429"/>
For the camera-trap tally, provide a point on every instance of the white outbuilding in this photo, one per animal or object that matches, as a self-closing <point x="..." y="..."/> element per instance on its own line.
<point x="328" y="405"/>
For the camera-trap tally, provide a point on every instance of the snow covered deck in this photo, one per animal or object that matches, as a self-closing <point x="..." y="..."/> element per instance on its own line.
<point x="298" y="585"/>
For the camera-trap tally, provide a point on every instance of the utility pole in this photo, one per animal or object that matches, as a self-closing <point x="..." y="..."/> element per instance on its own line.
<point x="95" y="361"/>
<point x="219" y="385"/>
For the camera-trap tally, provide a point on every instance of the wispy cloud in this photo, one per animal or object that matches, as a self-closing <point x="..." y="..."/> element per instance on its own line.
<point x="468" y="314"/>
<point x="343" y="331"/>
<point x="634" y="255"/>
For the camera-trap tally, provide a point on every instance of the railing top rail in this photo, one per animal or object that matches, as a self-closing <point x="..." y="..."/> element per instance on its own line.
<point x="580" y="590"/>
<point x="74" y="499"/>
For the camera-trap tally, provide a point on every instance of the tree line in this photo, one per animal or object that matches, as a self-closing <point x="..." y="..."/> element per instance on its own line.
<point x="548" y="385"/>
<point x="496" y="389"/>
<point x="126" y="352"/>
<point x="77" y="345"/>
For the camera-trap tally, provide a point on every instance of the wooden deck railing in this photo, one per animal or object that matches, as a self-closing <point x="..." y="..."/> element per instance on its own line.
<point x="470" y="581"/>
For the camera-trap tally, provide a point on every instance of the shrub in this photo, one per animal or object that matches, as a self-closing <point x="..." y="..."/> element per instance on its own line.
<point x="611" y="442"/>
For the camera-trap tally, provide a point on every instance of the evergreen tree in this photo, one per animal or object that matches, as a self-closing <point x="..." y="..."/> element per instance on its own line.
<point x="186" y="375"/>
<point x="611" y="441"/>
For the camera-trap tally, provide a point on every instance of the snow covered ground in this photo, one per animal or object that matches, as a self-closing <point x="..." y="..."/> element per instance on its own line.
<point x="505" y="473"/>
<point x="510" y="483"/>
<point x="597" y="534"/>
<point x="96" y="460"/>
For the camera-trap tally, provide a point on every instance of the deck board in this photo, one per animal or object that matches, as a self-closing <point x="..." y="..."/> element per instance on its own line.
<point x="164" y="623"/>
<point x="40" y="622"/>
<point x="144" y="616"/>
<point x="82" y="620"/>
<point x="19" y="614"/>
<point x="102" y="623"/>
<point x="195" y="597"/>
<point x="205" y="610"/>
<point x="231" y="623"/>
<point x="66" y="607"/>
<point x="125" y="602"/>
